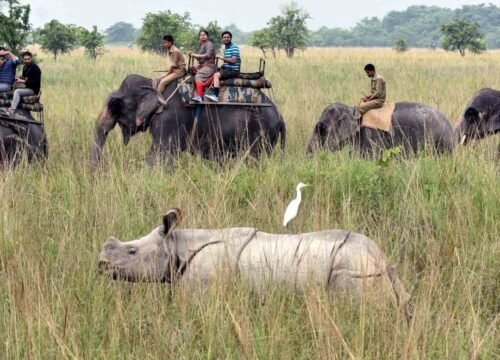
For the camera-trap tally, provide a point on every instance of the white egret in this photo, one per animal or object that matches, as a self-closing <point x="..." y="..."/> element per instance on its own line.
<point x="293" y="208"/>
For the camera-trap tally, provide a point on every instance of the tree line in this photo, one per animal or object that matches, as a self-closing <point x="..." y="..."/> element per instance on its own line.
<point x="419" y="25"/>
<point x="473" y="27"/>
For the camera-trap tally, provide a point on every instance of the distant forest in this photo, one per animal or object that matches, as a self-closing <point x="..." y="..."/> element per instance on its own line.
<point x="419" y="25"/>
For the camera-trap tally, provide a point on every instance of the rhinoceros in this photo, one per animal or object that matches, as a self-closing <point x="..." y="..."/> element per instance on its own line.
<point x="339" y="260"/>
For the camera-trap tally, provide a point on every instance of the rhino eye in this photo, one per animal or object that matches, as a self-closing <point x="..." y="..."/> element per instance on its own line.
<point x="132" y="251"/>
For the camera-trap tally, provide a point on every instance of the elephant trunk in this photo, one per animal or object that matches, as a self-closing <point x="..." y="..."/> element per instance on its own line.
<point x="104" y="124"/>
<point x="459" y="131"/>
<point x="311" y="147"/>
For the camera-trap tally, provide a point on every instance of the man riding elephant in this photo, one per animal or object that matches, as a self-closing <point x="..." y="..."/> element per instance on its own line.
<point x="177" y="64"/>
<point x="8" y="63"/>
<point x="231" y="67"/>
<point x="376" y="98"/>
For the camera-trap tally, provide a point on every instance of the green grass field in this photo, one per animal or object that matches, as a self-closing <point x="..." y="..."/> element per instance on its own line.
<point x="438" y="219"/>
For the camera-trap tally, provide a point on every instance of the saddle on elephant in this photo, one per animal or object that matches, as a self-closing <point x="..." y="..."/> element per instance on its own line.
<point x="380" y="119"/>
<point x="233" y="91"/>
<point x="246" y="89"/>
<point x="29" y="103"/>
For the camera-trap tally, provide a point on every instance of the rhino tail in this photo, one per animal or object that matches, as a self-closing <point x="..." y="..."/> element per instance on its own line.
<point x="171" y="219"/>
<point x="403" y="298"/>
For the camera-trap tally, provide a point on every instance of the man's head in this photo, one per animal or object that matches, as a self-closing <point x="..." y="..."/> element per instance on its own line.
<point x="370" y="70"/>
<point x="226" y="37"/>
<point x="27" y="57"/>
<point x="2" y="60"/>
<point x="168" y="41"/>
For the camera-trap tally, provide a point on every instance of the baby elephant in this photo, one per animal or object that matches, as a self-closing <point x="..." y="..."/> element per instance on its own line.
<point x="340" y="260"/>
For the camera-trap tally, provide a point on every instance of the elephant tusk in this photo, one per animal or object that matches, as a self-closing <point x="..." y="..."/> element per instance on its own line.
<point x="463" y="139"/>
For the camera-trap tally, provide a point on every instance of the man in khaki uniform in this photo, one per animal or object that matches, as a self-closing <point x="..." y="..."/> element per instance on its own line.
<point x="376" y="99"/>
<point x="177" y="64"/>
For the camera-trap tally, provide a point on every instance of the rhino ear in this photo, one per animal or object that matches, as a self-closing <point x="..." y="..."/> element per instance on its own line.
<point x="172" y="218"/>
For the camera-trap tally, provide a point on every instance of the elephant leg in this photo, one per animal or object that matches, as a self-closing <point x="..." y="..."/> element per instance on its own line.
<point x="152" y="158"/>
<point x="9" y="150"/>
<point x="372" y="143"/>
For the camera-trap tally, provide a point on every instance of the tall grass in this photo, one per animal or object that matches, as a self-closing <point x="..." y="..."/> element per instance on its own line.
<point x="437" y="218"/>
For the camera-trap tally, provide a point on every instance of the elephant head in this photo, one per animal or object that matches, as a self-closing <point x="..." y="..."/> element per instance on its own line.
<point x="335" y="128"/>
<point x="151" y="258"/>
<point x="131" y="107"/>
<point x="481" y="116"/>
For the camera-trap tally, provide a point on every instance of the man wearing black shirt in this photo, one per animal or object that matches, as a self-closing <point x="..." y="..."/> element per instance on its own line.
<point x="31" y="79"/>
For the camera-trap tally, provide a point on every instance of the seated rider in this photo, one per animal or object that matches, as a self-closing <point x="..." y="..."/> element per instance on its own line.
<point x="177" y="64"/>
<point x="8" y="63"/>
<point x="230" y="68"/>
<point x="376" y="99"/>
<point x="206" y="64"/>
<point x="31" y="79"/>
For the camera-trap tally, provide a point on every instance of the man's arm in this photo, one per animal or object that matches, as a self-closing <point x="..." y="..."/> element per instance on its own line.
<point x="210" y="52"/>
<point x="176" y="58"/>
<point x="11" y="56"/>
<point x="235" y="56"/>
<point x="231" y="60"/>
<point x="379" y="89"/>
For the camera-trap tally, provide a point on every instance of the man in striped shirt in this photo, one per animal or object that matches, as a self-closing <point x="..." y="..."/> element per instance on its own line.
<point x="230" y="68"/>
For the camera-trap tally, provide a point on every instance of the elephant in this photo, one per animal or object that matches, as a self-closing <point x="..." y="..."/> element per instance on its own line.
<point x="414" y="126"/>
<point x="22" y="135"/>
<point x="343" y="262"/>
<point x="481" y="116"/>
<point x="214" y="131"/>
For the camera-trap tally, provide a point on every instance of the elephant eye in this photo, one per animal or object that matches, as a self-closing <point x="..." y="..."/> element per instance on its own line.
<point x="132" y="251"/>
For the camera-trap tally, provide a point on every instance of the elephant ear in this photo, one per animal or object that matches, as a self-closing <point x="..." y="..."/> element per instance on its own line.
<point x="148" y="105"/>
<point x="473" y="115"/>
<point x="171" y="219"/>
<point x="115" y="106"/>
<point x="321" y="130"/>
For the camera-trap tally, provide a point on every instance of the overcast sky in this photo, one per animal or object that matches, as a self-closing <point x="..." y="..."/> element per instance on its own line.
<point x="248" y="15"/>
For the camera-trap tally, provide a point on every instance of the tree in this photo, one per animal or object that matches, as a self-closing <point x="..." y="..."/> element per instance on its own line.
<point x="215" y="32"/>
<point x="400" y="44"/>
<point x="93" y="41"/>
<point x="461" y="35"/>
<point x="240" y="37"/>
<point x="58" y="38"/>
<point x="289" y="30"/>
<point x="14" y="25"/>
<point x="121" y="32"/>
<point x="262" y="39"/>
<point x="166" y="22"/>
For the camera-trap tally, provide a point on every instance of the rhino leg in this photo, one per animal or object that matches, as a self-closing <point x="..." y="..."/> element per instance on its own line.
<point x="403" y="298"/>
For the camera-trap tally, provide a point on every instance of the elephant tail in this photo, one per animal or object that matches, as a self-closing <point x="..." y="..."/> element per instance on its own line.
<point x="282" y="131"/>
